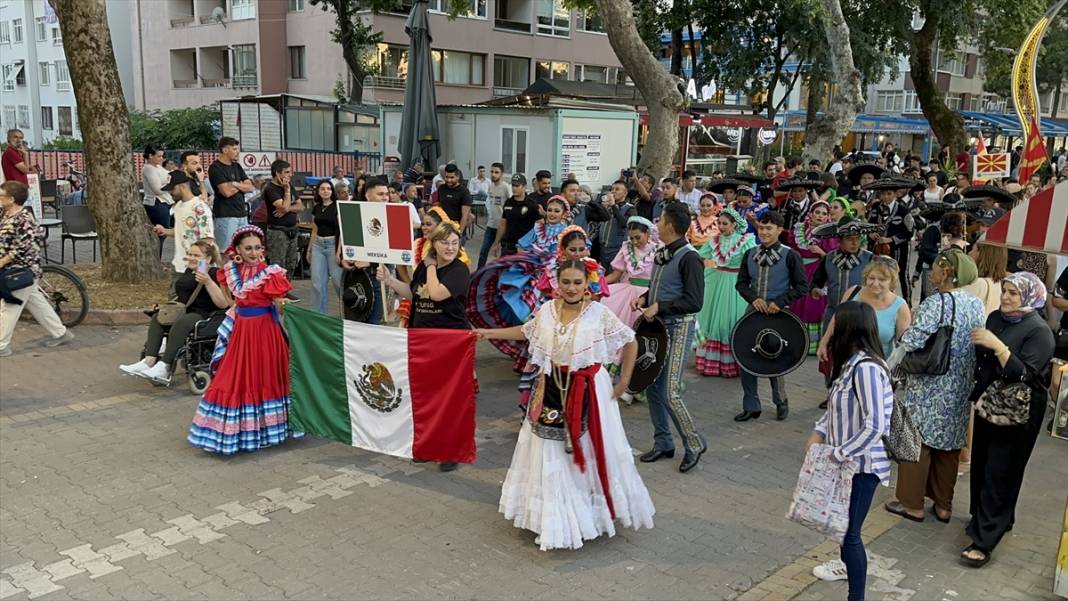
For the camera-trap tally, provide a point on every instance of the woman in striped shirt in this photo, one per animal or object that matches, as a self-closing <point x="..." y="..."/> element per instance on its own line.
<point x="857" y="419"/>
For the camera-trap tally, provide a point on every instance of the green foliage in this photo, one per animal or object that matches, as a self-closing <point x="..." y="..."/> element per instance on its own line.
<point x="62" y="143"/>
<point x="179" y="128"/>
<point x="339" y="90"/>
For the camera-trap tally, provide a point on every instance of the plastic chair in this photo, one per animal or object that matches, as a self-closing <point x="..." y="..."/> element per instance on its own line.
<point x="78" y="225"/>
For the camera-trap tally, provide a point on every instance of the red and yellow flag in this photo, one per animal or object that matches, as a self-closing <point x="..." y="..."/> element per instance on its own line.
<point x="980" y="146"/>
<point x="1034" y="152"/>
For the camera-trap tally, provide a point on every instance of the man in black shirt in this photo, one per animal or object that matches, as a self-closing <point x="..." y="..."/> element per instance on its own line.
<point x="543" y="188"/>
<point x="675" y="295"/>
<point x="282" y="211"/>
<point x="454" y="198"/>
<point x="231" y="184"/>
<point x="518" y="216"/>
<point x="190" y="163"/>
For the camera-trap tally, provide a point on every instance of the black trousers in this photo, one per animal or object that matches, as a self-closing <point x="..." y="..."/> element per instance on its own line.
<point x="901" y="255"/>
<point x="999" y="458"/>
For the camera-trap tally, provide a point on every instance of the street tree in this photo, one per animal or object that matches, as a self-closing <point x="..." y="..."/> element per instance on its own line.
<point x="357" y="37"/>
<point x="827" y="130"/>
<point x="127" y="246"/>
<point x="661" y="92"/>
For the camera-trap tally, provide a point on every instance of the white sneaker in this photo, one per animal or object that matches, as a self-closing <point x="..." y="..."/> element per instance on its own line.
<point x="60" y="340"/>
<point x="135" y="369"/>
<point x="830" y="570"/>
<point x="158" y="373"/>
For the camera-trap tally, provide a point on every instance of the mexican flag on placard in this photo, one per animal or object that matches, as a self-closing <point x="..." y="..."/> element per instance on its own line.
<point x="377" y="232"/>
<point x="403" y="392"/>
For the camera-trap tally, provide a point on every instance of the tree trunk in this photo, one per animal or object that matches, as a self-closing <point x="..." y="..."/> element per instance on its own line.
<point x="812" y="103"/>
<point x="660" y="91"/>
<point x="676" y="52"/>
<point x="358" y="74"/>
<point x="128" y="248"/>
<point x="693" y="52"/>
<point x="825" y="131"/>
<point x="1055" y="110"/>
<point x="947" y="125"/>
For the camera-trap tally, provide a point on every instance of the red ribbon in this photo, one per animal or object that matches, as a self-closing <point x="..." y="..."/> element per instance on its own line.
<point x="582" y="382"/>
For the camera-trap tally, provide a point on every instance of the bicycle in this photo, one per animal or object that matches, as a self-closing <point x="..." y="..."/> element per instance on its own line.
<point x="66" y="292"/>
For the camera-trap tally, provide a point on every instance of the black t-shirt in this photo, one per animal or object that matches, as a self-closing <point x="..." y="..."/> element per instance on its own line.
<point x="453" y="199"/>
<point x="325" y="218"/>
<point x="271" y="193"/>
<point x="186" y="284"/>
<point x="542" y="198"/>
<point x="1062" y="291"/>
<point x="449" y="313"/>
<point x="227" y="206"/>
<point x="521" y="216"/>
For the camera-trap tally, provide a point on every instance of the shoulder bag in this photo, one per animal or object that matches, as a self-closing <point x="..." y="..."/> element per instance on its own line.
<point x="933" y="358"/>
<point x="903" y="441"/>
<point x="17" y="278"/>
<point x="1005" y="404"/>
<point x="173" y="311"/>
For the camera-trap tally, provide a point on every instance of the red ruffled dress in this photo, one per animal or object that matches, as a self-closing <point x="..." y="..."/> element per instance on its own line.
<point x="246" y="406"/>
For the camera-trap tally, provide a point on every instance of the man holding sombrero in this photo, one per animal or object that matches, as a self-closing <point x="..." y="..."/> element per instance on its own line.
<point x="771" y="278"/>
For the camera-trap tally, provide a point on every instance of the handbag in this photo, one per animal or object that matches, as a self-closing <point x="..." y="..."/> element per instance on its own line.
<point x="933" y="358"/>
<point x="1005" y="404"/>
<point x="903" y="441"/>
<point x="173" y="311"/>
<point x="821" y="498"/>
<point x="17" y="278"/>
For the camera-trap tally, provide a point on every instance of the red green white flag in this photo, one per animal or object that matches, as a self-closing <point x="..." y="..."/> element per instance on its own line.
<point x="377" y="232"/>
<point x="403" y="392"/>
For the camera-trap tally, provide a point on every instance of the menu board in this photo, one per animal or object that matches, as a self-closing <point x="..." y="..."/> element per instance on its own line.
<point x="580" y="153"/>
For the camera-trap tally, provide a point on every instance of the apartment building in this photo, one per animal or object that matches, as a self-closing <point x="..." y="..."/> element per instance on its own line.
<point x="197" y="52"/>
<point x="36" y="95"/>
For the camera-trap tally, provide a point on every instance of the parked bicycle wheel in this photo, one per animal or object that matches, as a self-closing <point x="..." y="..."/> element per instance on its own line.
<point x="67" y="293"/>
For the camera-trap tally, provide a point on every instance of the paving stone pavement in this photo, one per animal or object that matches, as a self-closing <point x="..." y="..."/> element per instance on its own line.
<point x="102" y="498"/>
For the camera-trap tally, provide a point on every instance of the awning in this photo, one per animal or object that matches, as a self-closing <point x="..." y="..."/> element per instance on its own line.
<point x="1038" y="225"/>
<point x="1009" y="124"/>
<point x="866" y="124"/>
<point x="718" y="120"/>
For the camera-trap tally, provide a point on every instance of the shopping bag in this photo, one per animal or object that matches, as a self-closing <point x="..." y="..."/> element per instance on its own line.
<point x="821" y="499"/>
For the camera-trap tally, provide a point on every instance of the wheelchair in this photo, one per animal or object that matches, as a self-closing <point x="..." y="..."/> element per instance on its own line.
<point x="195" y="357"/>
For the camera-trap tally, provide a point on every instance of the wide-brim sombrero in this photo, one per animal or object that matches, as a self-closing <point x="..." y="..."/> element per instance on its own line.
<point x="769" y="345"/>
<point x="862" y="168"/>
<point x="846" y="226"/>
<point x="998" y="194"/>
<point x="651" y="336"/>
<point x="798" y="182"/>
<point x="727" y="184"/>
<point x="357" y="295"/>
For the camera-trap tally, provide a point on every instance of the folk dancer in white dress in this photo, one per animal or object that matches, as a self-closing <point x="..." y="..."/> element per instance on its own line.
<point x="572" y="474"/>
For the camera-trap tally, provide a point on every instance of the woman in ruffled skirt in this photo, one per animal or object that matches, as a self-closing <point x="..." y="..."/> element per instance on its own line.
<point x="572" y="474"/>
<point x="246" y="406"/>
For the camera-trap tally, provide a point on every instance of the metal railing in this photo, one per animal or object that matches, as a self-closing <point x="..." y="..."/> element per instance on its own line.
<point x="245" y="81"/>
<point x="379" y="81"/>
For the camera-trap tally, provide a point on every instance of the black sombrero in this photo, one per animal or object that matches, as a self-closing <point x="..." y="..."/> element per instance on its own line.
<point x="798" y="182"/>
<point x="357" y="295"/>
<point x="758" y="180"/>
<point x="846" y="226"/>
<point x="998" y="194"/>
<point x="949" y="203"/>
<point x="888" y="183"/>
<point x="651" y="336"/>
<point x="727" y="184"/>
<point x="861" y="168"/>
<point x="769" y="345"/>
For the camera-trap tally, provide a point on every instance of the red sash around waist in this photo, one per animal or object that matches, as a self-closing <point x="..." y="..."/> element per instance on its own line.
<point x="582" y="381"/>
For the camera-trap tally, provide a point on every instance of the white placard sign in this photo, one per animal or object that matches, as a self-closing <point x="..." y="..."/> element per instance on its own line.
<point x="580" y="153"/>
<point x="255" y="163"/>
<point x="35" y="195"/>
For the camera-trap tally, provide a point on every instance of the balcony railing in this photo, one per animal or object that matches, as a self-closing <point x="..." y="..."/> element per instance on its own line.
<point x="520" y="26"/>
<point x="500" y="92"/>
<point x="245" y="81"/>
<point x="185" y="83"/>
<point x="215" y="83"/>
<point x="182" y="21"/>
<point x="378" y="81"/>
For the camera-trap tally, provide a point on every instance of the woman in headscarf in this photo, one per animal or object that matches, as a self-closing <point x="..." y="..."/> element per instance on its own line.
<point x="723" y="306"/>
<point x="1015" y="347"/>
<point x="808" y="308"/>
<point x="632" y="268"/>
<point x="939" y="403"/>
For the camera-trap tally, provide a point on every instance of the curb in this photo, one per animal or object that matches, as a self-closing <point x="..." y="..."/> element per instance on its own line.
<point x="116" y="317"/>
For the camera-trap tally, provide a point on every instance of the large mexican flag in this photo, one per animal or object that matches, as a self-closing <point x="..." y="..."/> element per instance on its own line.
<point x="402" y="392"/>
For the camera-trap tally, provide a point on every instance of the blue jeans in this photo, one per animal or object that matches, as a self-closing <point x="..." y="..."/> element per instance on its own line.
<point x="487" y="242"/>
<point x="750" y="398"/>
<point x="665" y="394"/>
<point x="225" y="228"/>
<point x="852" y="553"/>
<point x="324" y="272"/>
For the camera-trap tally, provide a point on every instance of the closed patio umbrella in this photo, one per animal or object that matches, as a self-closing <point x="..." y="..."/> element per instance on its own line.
<point x="419" y="138"/>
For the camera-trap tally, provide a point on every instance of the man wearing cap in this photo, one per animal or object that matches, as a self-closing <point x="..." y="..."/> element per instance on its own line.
<point x="675" y="295"/>
<point x="772" y="277"/>
<point x="893" y="215"/>
<point x="747" y="208"/>
<point x="841" y="269"/>
<point x="192" y="220"/>
<point x="518" y="216"/>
